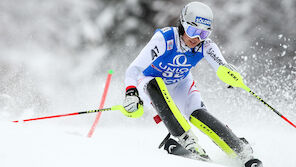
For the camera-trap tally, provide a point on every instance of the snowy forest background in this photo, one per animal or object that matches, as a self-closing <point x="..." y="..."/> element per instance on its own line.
<point x="55" y="54"/>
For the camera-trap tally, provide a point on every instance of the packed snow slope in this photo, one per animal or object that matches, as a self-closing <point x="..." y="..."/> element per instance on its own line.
<point x="54" y="59"/>
<point x="61" y="142"/>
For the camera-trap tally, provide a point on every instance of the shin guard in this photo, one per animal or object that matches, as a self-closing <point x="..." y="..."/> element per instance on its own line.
<point x="166" y="108"/>
<point x="220" y="134"/>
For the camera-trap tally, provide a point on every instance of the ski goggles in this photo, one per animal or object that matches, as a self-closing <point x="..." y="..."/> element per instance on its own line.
<point x="194" y="32"/>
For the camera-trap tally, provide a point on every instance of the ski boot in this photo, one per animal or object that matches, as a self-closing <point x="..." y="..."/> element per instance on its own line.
<point x="187" y="146"/>
<point x="247" y="155"/>
<point x="254" y="163"/>
<point x="190" y="142"/>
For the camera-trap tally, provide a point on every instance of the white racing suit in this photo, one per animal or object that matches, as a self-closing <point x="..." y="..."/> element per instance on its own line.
<point x="166" y="56"/>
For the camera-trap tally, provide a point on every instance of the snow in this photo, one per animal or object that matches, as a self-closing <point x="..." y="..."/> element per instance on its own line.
<point x="54" y="59"/>
<point x="55" y="142"/>
<point x="44" y="145"/>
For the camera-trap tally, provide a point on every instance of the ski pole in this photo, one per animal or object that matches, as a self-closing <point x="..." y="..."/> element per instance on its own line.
<point x="120" y="108"/>
<point x="235" y="79"/>
<point x="116" y="107"/>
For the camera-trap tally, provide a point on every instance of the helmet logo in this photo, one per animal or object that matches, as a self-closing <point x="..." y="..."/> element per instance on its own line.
<point x="203" y="21"/>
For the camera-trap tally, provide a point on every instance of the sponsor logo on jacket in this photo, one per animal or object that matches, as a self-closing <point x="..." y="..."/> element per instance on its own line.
<point x="175" y="71"/>
<point x="180" y="61"/>
<point x="170" y="44"/>
<point x="212" y="53"/>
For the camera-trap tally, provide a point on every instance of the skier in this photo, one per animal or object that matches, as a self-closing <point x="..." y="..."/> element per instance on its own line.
<point x="160" y="75"/>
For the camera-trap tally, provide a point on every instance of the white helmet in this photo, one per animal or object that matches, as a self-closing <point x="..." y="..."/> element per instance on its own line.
<point x="197" y="14"/>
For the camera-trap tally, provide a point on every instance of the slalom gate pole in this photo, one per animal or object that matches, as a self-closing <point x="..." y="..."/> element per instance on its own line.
<point x="91" y="131"/>
<point x="234" y="79"/>
<point x="64" y="115"/>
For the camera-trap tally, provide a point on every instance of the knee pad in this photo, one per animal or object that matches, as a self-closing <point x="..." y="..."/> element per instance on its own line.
<point x="166" y="108"/>
<point x="220" y="134"/>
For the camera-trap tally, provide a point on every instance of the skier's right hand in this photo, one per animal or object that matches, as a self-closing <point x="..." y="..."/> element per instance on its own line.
<point x="132" y="100"/>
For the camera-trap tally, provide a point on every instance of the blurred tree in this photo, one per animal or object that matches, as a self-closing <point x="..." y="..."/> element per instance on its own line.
<point x="257" y="36"/>
<point x="128" y="24"/>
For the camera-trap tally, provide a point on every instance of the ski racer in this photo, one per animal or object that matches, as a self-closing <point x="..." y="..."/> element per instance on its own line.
<point x="160" y="75"/>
